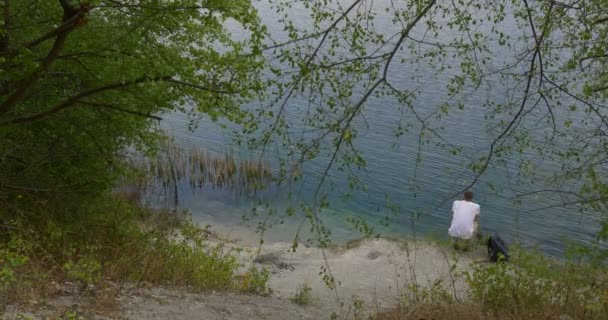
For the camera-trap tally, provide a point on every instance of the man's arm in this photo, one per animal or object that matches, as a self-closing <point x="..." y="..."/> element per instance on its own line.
<point x="476" y="223"/>
<point x="453" y="207"/>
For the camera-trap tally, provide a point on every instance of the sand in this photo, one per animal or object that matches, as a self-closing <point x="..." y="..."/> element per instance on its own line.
<point x="369" y="275"/>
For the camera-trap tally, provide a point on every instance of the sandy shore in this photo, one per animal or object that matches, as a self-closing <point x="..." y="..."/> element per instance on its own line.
<point x="375" y="271"/>
<point x="372" y="273"/>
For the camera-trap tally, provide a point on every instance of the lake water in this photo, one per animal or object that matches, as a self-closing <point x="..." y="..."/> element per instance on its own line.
<point x="393" y="176"/>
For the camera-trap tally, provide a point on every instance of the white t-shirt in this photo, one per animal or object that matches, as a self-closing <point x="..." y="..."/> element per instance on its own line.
<point x="463" y="219"/>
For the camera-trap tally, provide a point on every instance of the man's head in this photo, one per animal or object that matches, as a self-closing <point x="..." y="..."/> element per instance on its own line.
<point x="468" y="195"/>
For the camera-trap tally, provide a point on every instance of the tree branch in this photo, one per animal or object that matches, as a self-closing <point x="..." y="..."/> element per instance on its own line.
<point x="117" y="108"/>
<point x="600" y="20"/>
<point x="604" y="88"/>
<point x="404" y="33"/>
<point x="196" y="86"/>
<point x="531" y="193"/>
<point x="593" y="108"/>
<point x="513" y="120"/>
<point x="4" y="39"/>
<point x="570" y="203"/>
<point x="70" y="15"/>
<point x="75" y="99"/>
<point x="78" y="98"/>
<point x="324" y="34"/>
<point x="66" y="26"/>
<point x="371" y="90"/>
<point x="118" y="4"/>
<point x="591" y="57"/>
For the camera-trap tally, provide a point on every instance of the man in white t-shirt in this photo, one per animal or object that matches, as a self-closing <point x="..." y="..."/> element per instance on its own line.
<point x="465" y="219"/>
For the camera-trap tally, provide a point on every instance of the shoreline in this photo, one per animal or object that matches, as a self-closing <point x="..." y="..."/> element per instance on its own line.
<point x="365" y="276"/>
<point x="242" y="234"/>
<point x="371" y="271"/>
<point x="370" y="276"/>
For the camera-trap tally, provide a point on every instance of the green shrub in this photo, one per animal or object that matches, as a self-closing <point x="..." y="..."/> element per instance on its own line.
<point x="531" y="286"/>
<point x="255" y="281"/>
<point x="119" y="241"/>
<point x="11" y="260"/>
<point x="183" y="263"/>
<point x="85" y="270"/>
<point x="303" y="295"/>
<point x="72" y="315"/>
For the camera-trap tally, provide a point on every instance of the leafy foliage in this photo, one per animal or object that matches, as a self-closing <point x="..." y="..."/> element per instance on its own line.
<point x="255" y="281"/>
<point x="12" y="259"/>
<point x="537" y="67"/>
<point x="82" y="81"/>
<point x="531" y="286"/>
<point x="303" y="295"/>
<point x="109" y="243"/>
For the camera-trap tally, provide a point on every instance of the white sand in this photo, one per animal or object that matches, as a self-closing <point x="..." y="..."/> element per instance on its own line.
<point x="375" y="272"/>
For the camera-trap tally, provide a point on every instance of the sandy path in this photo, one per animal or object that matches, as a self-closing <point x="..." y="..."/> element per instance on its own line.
<point x="171" y="304"/>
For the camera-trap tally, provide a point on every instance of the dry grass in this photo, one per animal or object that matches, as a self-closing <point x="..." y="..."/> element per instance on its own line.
<point x="199" y="168"/>
<point x="437" y="311"/>
<point x="472" y="311"/>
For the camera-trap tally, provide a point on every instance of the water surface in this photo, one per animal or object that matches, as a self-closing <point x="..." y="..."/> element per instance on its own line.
<point x="393" y="176"/>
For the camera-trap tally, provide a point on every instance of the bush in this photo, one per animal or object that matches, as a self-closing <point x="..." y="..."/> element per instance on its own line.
<point x="85" y="270"/>
<point x="303" y="295"/>
<point x="184" y="263"/>
<point x="255" y="281"/>
<point x="529" y="286"/>
<point x="11" y="260"/>
<point x="534" y="287"/>
<point x="118" y="241"/>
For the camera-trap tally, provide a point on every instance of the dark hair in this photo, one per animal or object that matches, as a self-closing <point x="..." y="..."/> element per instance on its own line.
<point x="468" y="195"/>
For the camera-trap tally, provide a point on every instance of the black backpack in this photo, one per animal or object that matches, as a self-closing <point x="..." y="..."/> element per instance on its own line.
<point x="497" y="248"/>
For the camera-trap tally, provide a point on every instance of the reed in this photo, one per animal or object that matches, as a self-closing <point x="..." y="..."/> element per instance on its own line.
<point x="174" y="165"/>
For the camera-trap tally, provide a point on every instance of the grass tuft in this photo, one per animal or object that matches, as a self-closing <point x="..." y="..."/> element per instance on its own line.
<point x="303" y="295"/>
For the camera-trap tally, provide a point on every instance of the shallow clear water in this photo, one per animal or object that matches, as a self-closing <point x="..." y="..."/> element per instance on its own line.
<point x="420" y="190"/>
